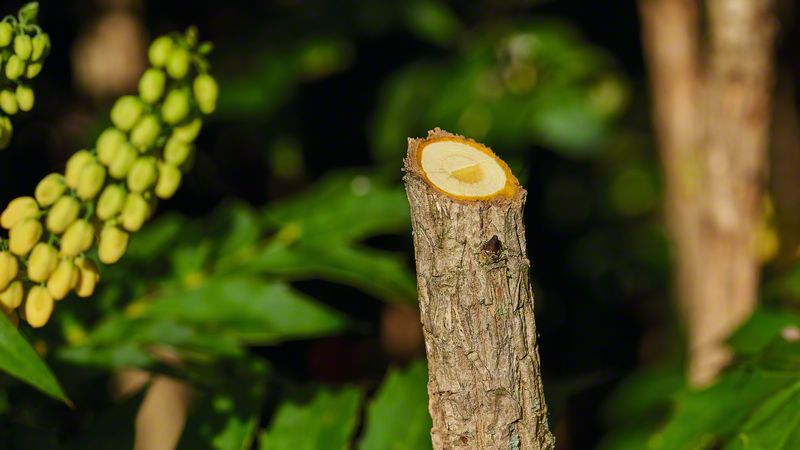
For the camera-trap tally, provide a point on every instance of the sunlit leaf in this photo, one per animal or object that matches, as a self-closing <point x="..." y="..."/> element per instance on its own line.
<point x="402" y="395"/>
<point x="18" y="359"/>
<point x="325" y="421"/>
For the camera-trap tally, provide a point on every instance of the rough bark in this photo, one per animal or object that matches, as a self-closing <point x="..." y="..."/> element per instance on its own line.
<point x="712" y="114"/>
<point x="476" y="303"/>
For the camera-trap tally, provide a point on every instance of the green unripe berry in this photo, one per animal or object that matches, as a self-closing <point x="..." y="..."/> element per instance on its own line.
<point x="123" y="160"/>
<point x="50" y="189"/>
<point x="41" y="43"/>
<point x="108" y="143"/>
<point x="160" y="51"/>
<point x="75" y="166"/>
<point x="143" y="174"/>
<point x="6" y="33"/>
<point x="32" y="70"/>
<point x="135" y="212"/>
<point x="151" y="85"/>
<point x="23" y="47"/>
<point x="111" y="201"/>
<point x="8" y="102"/>
<point x="175" y="107"/>
<point x="188" y="132"/>
<point x="62" y="214"/>
<point x="15" y="67"/>
<point x="91" y="181"/>
<point x="178" y="63"/>
<point x="126" y="112"/>
<point x="6" y="131"/>
<point x="206" y="92"/>
<point x="169" y="179"/>
<point x="24" y="98"/>
<point x="177" y="151"/>
<point x="146" y="132"/>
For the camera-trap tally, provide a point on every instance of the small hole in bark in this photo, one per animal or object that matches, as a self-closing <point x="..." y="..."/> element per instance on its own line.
<point x="493" y="245"/>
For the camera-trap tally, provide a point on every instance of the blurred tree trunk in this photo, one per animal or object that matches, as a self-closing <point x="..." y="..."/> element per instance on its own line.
<point x="711" y="87"/>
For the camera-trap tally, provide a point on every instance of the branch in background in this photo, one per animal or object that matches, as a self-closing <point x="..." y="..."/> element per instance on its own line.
<point x="476" y="301"/>
<point x="713" y="131"/>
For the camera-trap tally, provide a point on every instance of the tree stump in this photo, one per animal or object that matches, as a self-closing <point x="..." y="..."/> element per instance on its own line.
<point x="476" y="301"/>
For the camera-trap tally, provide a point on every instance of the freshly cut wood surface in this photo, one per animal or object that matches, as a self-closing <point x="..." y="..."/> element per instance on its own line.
<point x="476" y="300"/>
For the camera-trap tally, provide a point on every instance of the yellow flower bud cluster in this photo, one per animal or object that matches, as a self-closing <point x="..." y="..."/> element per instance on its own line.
<point x="23" y="47"/>
<point x="107" y="192"/>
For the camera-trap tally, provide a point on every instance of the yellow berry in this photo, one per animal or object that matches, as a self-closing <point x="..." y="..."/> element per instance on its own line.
<point x="160" y="51"/>
<point x="64" y="278"/>
<point x="146" y="132"/>
<point x="111" y="202"/>
<point x="9" y="266"/>
<point x="77" y="239"/>
<point x="113" y="243"/>
<point x="126" y="112"/>
<point x="11" y="297"/>
<point x="8" y="102"/>
<point x="6" y="131"/>
<point x="18" y="209"/>
<point x="50" y="189"/>
<point x="135" y="212"/>
<point x="177" y="151"/>
<point x="42" y="262"/>
<point x="108" y="143"/>
<point x="24" y="97"/>
<point x="151" y="85"/>
<point x="23" y="236"/>
<point x="123" y="160"/>
<point x="178" y="63"/>
<point x="88" y="276"/>
<point x="91" y="181"/>
<point x="169" y="179"/>
<point x="38" y="307"/>
<point x="206" y="92"/>
<point x="75" y="166"/>
<point x="62" y="214"/>
<point x="143" y="174"/>
<point x="175" y="107"/>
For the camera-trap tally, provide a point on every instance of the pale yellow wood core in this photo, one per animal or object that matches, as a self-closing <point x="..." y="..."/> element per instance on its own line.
<point x="463" y="168"/>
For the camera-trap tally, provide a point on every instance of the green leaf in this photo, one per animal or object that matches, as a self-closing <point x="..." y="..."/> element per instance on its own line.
<point x="402" y="395"/>
<point x="376" y="272"/>
<point x="343" y="208"/>
<point x="250" y="309"/>
<point x="227" y="416"/>
<point x="326" y="421"/>
<point x="772" y="424"/>
<point x="763" y="326"/>
<point x="704" y="419"/>
<point x="18" y="359"/>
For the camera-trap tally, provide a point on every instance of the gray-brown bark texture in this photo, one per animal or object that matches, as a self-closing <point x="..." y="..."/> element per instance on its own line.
<point x="476" y="302"/>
